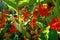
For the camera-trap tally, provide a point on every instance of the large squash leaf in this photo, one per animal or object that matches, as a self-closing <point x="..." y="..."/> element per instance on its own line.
<point x="53" y="35"/>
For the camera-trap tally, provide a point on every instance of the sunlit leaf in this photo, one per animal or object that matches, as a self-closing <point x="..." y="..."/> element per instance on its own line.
<point x="41" y="25"/>
<point x="11" y="4"/>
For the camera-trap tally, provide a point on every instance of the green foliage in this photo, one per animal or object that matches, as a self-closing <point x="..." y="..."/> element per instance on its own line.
<point x="11" y="4"/>
<point x="32" y="1"/>
<point x="28" y="35"/>
<point x="48" y="1"/>
<point x="22" y="27"/>
<point x="3" y="5"/>
<point x="16" y="37"/>
<point x="53" y="35"/>
<point x="43" y="37"/>
<point x="7" y="39"/>
<point x="17" y="1"/>
<point x="30" y="7"/>
<point x="41" y="25"/>
<point x="8" y="24"/>
<point x="12" y="11"/>
<point x="56" y="9"/>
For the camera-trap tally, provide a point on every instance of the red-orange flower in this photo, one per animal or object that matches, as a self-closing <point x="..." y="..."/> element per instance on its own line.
<point x="13" y="29"/>
<point x="6" y="11"/>
<point x="19" y="9"/>
<point x="25" y="38"/>
<point x="33" y="22"/>
<point x="6" y="35"/>
<point x="33" y="25"/>
<point x="25" y="19"/>
<point x="35" y="12"/>
<point x="43" y="9"/>
<point x="25" y="13"/>
<point x="3" y="20"/>
<point x="1" y="26"/>
<point x="0" y="12"/>
<point x="55" y="24"/>
<point x="2" y="17"/>
<point x="15" y="17"/>
<point x="34" y="19"/>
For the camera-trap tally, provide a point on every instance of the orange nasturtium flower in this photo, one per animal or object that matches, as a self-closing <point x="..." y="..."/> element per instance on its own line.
<point x="13" y="29"/>
<point x="55" y="24"/>
<point x="33" y="21"/>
